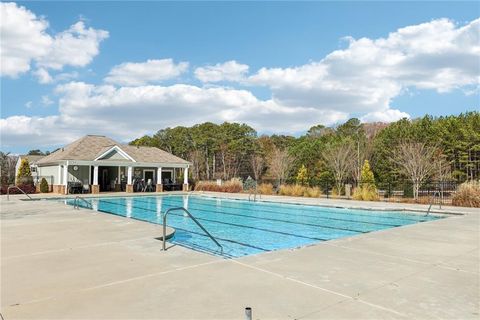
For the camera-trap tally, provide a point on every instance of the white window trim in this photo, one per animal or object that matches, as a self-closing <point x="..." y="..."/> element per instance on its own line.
<point x="149" y="170"/>
<point x="115" y="148"/>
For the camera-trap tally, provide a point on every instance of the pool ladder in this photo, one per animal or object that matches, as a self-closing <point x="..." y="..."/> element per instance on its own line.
<point x="76" y="201"/>
<point x="253" y="192"/>
<point x="436" y="194"/>
<point x="15" y="187"/>
<point x="193" y="219"/>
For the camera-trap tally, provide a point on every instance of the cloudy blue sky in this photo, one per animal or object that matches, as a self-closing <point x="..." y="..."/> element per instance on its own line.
<point x="125" y="69"/>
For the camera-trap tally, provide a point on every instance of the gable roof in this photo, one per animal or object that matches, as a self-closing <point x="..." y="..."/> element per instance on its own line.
<point x="32" y="158"/>
<point x="92" y="147"/>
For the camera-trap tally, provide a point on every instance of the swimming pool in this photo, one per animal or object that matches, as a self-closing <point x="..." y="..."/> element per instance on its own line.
<point x="244" y="227"/>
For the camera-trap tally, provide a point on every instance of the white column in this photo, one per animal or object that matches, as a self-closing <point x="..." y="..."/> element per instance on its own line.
<point x="59" y="182"/>
<point x="89" y="175"/>
<point x="129" y="177"/>
<point x="118" y="175"/>
<point x="65" y="177"/>
<point x="185" y="176"/>
<point x="159" y="175"/>
<point x="95" y="175"/>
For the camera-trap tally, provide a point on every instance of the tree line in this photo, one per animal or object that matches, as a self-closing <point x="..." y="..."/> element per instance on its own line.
<point x="449" y="147"/>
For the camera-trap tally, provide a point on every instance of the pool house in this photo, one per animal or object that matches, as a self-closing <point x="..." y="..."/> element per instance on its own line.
<point x="94" y="164"/>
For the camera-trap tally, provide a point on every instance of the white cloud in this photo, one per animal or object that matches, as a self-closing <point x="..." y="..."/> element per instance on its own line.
<point x="387" y="115"/>
<point x="128" y="112"/>
<point x="361" y="79"/>
<point x="75" y="46"/>
<point x="43" y="76"/>
<point x="227" y="71"/>
<point x="25" y="39"/>
<point x="141" y="73"/>
<point x="368" y="74"/>
<point x="28" y="104"/>
<point x="46" y="101"/>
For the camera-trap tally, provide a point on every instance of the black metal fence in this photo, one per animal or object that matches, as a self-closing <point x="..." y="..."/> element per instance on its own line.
<point x="400" y="189"/>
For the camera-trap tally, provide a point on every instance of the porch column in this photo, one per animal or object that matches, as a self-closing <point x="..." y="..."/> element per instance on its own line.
<point x="95" y="186"/>
<point x="129" y="180"/>
<point x="65" y="178"/>
<point x="118" y="182"/>
<point x="185" y="179"/>
<point x="57" y="188"/>
<point x="159" y="187"/>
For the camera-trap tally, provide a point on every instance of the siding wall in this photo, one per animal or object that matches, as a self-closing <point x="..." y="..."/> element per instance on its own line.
<point x="50" y="171"/>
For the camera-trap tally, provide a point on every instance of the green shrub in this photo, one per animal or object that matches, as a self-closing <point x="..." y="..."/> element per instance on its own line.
<point x="467" y="195"/>
<point x="44" y="186"/>
<point x="249" y="184"/>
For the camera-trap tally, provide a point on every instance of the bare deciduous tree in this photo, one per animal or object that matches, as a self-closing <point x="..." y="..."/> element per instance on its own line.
<point x="280" y="163"/>
<point x="340" y="159"/>
<point x="415" y="160"/>
<point x="258" y="164"/>
<point x="7" y="167"/>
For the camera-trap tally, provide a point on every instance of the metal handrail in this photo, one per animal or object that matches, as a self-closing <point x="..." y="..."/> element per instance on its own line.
<point x="75" y="203"/>
<point x="433" y="200"/>
<point x="254" y="193"/>
<point x="8" y="192"/>
<point x="194" y="220"/>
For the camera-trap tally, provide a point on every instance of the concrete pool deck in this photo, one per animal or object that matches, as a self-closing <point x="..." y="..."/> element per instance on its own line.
<point x="60" y="263"/>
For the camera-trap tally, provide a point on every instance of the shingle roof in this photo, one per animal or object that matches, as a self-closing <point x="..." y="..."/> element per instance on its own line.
<point x="32" y="158"/>
<point x="91" y="147"/>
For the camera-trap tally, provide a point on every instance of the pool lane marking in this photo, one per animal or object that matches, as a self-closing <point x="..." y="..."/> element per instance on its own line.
<point x="317" y="287"/>
<point x="224" y="239"/>
<point x="299" y="223"/>
<point x="269" y="219"/>
<point x="316" y="208"/>
<point x="225" y="223"/>
<point x="320" y="216"/>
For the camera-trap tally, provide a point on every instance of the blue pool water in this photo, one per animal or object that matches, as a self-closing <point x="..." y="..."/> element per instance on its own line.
<point x="245" y="228"/>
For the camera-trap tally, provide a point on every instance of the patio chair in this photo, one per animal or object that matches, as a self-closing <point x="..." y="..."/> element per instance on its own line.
<point x="149" y="186"/>
<point x="85" y="187"/>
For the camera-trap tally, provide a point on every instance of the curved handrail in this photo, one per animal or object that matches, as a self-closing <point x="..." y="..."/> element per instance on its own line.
<point x="75" y="203"/>
<point x="432" y="200"/>
<point x="254" y="193"/>
<point x="10" y="187"/>
<point x="194" y="220"/>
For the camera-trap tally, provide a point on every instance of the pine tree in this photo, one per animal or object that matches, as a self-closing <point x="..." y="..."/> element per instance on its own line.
<point x="367" y="189"/>
<point x="366" y="177"/>
<point x="24" y="174"/>
<point x="302" y="175"/>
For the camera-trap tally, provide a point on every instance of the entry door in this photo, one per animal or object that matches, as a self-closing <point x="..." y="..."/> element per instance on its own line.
<point x="148" y="174"/>
<point x="105" y="183"/>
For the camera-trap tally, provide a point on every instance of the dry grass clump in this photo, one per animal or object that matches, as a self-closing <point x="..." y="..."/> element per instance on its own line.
<point x="297" y="190"/>
<point x="265" y="188"/>
<point x="232" y="186"/>
<point x="366" y="193"/>
<point x="313" y="192"/>
<point x="467" y="195"/>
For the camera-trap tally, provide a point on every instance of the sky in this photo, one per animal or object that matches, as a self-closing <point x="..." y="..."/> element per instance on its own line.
<point x="125" y="69"/>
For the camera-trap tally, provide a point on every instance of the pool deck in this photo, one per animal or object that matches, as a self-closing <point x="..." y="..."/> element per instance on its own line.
<point x="60" y="263"/>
